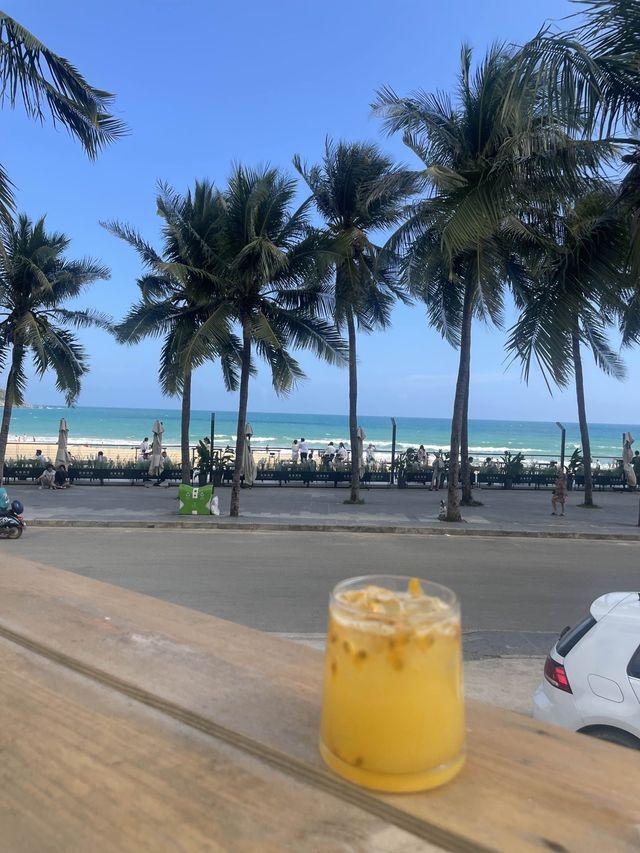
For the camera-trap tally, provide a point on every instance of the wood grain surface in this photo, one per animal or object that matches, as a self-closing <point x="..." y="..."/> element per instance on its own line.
<point x="253" y="698"/>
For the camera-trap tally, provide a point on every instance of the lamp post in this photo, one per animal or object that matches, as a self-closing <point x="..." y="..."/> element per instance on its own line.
<point x="393" y="451"/>
<point x="562" y="443"/>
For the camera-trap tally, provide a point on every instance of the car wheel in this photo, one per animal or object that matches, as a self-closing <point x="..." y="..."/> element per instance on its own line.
<point x="618" y="736"/>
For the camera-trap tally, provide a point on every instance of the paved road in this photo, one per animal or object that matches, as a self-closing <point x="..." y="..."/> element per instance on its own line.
<point x="279" y="581"/>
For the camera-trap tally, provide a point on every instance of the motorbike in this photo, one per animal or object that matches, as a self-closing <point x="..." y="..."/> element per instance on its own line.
<point x="11" y="521"/>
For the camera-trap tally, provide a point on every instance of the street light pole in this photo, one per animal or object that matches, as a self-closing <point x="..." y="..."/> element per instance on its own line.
<point x="393" y="451"/>
<point x="562" y="443"/>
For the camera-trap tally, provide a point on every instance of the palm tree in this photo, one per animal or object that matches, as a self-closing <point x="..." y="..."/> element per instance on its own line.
<point x="591" y="70"/>
<point x="486" y="162"/>
<point x="47" y="83"/>
<point x="35" y="281"/>
<point x="358" y="190"/>
<point x="179" y="294"/>
<point x="592" y="73"/>
<point x="266" y="263"/>
<point x="582" y="288"/>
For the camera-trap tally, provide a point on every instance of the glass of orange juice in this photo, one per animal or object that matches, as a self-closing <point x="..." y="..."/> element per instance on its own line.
<point x="393" y="708"/>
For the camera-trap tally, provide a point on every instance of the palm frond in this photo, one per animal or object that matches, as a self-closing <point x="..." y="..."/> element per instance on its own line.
<point x="44" y="81"/>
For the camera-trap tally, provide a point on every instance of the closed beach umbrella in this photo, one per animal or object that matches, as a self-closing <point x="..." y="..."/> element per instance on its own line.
<point x="627" y="456"/>
<point x="62" y="455"/>
<point x="157" y="462"/>
<point x="359" y="451"/>
<point x="248" y="465"/>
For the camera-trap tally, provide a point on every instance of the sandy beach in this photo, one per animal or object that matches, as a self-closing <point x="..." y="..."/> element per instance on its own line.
<point x="117" y="453"/>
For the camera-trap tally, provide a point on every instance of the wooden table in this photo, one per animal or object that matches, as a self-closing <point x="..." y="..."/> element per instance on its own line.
<point x="129" y="724"/>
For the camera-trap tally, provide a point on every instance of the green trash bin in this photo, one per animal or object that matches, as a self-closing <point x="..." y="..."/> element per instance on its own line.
<point x="195" y="500"/>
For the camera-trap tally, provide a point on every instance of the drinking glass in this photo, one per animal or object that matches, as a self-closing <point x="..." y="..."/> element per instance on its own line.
<point x="393" y="708"/>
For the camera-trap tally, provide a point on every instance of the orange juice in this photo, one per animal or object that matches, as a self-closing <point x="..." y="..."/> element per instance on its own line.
<point x="393" y="710"/>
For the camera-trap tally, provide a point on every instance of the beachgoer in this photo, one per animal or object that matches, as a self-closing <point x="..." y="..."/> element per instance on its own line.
<point x="165" y="467"/>
<point x="636" y="464"/>
<point x="329" y="453"/>
<point x="143" y="450"/>
<point x="102" y="462"/>
<point x="46" y="480"/>
<point x="295" y="451"/>
<point x="41" y="459"/>
<point x="341" y="453"/>
<point x="438" y="471"/>
<point x="422" y="456"/>
<point x="304" y="450"/>
<point x="60" y="478"/>
<point x="559" y="495"/>
<point x="472" y="472"/>
<point x="371" y="454"/>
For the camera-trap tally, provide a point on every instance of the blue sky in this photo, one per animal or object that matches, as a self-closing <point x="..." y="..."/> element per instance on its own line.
<point x="202" y="84"/>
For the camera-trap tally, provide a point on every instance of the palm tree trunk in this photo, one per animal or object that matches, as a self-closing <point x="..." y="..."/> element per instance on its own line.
<point x="353" y="412"/>
<point x="6" y="412"/>
<point x="242" y="417"/>
<point x="465" y="467"/>
<point x="582" y="419"/>
<point x="462" y="387"/>
<point x="185" y="449"/>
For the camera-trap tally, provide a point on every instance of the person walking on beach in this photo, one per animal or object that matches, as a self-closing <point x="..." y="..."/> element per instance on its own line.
<point x="559" y="494"/>
<point x="295" y="451"/>
<point x="41" y="459"/>
<point x="144" y="448"/>
<point x="371" y="454"/>
<point x="341" y="453"/>
<point x="422" y="456"/>
<point x="304" y="450"/>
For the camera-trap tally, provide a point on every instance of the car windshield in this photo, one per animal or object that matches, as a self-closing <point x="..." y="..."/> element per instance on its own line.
<point x="574" y="635"/>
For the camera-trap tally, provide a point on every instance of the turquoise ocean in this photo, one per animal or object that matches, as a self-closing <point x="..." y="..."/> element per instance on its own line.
<point x="127" y="427"/>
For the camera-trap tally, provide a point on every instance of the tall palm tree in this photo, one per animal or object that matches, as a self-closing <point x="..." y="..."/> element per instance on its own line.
<point x="358" y="190"/>
<point x="581" y="290"/>
<point x="35" y="281"/>
<point x="266" y="262"/>
<point x="486" y="162"/>
<point x="47" y="83"/>
<point x="178" y="294"/>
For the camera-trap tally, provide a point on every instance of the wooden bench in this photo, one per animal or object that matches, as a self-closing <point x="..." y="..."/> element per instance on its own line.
<point x="130" y="724"/>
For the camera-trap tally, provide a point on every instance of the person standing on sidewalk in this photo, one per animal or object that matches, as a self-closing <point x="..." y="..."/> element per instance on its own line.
<point x="559" y="494"/>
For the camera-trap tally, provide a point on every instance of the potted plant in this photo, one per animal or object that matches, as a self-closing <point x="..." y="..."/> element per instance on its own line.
<point x="575" y="467"/>
<point x="512" y="467"/>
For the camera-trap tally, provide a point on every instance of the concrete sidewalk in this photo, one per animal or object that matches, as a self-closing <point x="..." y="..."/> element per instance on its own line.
<point x="415" y="510"/>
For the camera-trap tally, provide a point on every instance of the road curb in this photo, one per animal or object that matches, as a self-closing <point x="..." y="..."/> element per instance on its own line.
<point x="207" y="524"/>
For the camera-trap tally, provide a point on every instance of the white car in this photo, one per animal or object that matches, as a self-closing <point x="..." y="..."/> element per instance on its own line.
<point x="592" y="675"/>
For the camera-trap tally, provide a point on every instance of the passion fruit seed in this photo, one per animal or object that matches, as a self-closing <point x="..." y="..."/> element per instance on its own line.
<point x="415" y="588"/>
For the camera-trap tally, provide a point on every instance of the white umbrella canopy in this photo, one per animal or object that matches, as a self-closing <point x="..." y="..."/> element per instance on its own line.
<point x="157" y="463"/>
<point x="62" y="454"/>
